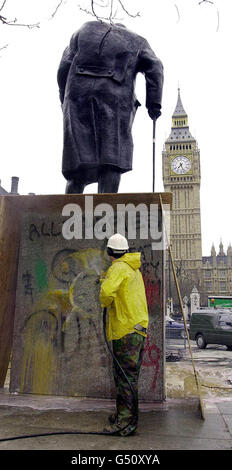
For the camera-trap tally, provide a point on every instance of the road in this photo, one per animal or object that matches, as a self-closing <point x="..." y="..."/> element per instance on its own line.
<point x="212" y="364"/>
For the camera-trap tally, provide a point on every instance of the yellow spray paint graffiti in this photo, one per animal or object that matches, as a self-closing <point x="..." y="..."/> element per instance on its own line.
<point x="39" y="362"/>
<point x="51" y="330"/>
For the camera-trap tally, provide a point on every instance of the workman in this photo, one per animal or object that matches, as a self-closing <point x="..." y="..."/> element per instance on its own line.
<point x="123" y="293"/>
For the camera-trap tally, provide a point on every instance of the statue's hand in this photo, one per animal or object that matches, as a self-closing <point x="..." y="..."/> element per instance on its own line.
<point x="154" y="112"/>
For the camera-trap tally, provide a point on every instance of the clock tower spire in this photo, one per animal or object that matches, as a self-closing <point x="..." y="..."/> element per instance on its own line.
<point x="179" y="112"/>
<point x="181" y="176"/>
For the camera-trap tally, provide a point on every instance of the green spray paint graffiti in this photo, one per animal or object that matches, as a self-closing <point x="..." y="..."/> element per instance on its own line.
<point x="66" y="308"/>
<point x="41" y="275"/>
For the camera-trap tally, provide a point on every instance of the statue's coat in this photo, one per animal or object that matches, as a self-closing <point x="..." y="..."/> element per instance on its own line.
<point x="96" y="80"/>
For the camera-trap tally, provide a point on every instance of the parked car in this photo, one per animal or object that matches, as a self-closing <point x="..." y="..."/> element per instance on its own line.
<point x="174" y="329"/>
<point x="211" y="326"/>
<point x="177" y="316"/>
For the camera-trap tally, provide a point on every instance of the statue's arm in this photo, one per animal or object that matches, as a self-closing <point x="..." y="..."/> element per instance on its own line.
<point x="65" y="64"/>
<point x="152" y="68"/>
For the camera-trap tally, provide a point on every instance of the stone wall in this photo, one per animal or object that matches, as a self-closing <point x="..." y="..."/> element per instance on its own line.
<point x="58" y="342"/>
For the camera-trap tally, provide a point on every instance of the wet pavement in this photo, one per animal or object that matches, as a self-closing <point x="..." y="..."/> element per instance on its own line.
<point x="175" y="424"/>
<point x="213" y="365"/>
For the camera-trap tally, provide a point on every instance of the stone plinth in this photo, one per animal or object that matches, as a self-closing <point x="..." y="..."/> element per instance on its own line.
<point x="58" y="343"/>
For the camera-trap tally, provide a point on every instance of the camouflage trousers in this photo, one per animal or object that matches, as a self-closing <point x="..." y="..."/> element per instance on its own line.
<point x="128" y="351"/>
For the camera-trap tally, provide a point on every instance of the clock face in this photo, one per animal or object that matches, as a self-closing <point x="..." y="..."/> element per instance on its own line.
<point x="181" y="165"/>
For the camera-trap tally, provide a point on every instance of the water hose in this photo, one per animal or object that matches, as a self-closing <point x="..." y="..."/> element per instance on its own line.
<point x="96" y="433"/>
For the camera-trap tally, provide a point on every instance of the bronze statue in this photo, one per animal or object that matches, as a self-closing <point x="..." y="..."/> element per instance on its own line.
<point x="96" y="79"/>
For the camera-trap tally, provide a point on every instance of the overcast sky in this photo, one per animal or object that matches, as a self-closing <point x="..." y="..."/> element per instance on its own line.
<point x="193" y="43"/>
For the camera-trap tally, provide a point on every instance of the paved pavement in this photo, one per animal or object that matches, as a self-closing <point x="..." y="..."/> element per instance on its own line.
<point x="173" y="425"/>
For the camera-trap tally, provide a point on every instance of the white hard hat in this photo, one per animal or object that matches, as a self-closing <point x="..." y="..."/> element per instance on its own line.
<point x="118" y="243"/>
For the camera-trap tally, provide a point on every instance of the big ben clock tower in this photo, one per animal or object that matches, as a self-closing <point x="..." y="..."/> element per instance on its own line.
<point x="181" y="177"/>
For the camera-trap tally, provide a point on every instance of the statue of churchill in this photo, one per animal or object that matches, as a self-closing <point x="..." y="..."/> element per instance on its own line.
<point x="96" y="79"/>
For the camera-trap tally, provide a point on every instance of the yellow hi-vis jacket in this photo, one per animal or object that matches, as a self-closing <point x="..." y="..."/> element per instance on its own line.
<point x="123" y="292"/>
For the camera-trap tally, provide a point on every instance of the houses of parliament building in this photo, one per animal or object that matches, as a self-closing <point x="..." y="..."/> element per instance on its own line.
<point x="211" y="275"/>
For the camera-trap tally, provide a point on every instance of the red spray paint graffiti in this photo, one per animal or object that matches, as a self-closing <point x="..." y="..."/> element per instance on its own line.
<point x="149" y="360"/>
<point x="151" y="355"/>
<point x="153" y="291"/>
<point x="152" y="294"/>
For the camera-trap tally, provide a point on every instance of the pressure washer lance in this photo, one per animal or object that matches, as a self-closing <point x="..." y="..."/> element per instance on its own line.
<point x="57" y="433"/>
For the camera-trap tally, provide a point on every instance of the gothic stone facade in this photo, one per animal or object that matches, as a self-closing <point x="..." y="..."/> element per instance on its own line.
<point x="182" y="177"/>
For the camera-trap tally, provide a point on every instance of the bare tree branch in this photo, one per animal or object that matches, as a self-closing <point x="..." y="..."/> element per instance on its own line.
<point x="127" y="12"/>
<point x="205" y="1"/>
<point x="218" y="18"/>
<point x="200" y="3"/>
<point x="111" y="9"/>
<point x="178" y="13"/>
<point x="14" y="22"/>
<point x="212" y="3"/>
<point x="94" y="14"/>
<point x="3" y="4"/>
<point x="103" y="4"/>
<point x="4" y="47"/>
<point x="112" y="14"/>
<point x="57" y="8"/>
<point x="92" y="6"/>
<point x="85" y="10"/>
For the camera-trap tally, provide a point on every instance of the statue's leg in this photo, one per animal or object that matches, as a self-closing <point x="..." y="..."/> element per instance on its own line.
<point x="77" y="182"/>
<point x="74" y="186"/>
<point x="108" y="180"/>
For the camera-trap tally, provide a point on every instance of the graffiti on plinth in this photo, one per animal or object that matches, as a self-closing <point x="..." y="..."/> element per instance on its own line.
<point x="59" y="344"/>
